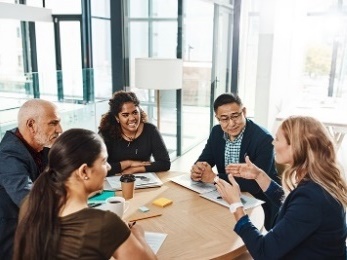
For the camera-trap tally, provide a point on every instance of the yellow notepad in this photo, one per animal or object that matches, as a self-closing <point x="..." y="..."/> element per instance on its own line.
<point x="162" y="202"/>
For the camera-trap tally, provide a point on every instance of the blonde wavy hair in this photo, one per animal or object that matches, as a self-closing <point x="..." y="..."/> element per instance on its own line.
<point x="314" y="157"/>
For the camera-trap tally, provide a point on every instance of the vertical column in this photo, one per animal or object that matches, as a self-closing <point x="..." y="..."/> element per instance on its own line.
<point x="264" y="62"/>
<point x="179" y="91"/>
<point x="87" y="52"/>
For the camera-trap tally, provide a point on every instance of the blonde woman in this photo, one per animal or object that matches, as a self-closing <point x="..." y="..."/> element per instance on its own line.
<point x="311" y="223"/>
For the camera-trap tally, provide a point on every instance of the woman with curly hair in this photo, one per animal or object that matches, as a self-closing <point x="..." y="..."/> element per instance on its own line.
<point x="311" y="223"/>
<point x="130" y="140"/>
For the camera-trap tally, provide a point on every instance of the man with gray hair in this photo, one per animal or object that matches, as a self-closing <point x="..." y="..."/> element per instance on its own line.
<point x="23" y="156"/>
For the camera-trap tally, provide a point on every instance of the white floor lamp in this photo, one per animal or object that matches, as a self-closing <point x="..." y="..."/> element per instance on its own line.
<point x="158" y="74"/>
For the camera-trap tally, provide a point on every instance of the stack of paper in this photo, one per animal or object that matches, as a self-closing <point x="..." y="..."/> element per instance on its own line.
<point x="143" y="180"/>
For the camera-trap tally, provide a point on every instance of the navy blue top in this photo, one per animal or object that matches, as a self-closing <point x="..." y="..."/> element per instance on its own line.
<point x="18" y="171"/>
<point x="257" y="144"/>
<point x="311" y="224"/>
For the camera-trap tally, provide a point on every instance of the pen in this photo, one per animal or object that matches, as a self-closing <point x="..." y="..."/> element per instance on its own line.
<point x="219" y="197"/>
<point x="131" y="224"/>
<point x="93" y="205"/>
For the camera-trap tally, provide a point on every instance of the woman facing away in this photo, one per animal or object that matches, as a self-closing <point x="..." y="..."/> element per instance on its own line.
<point x="311" y="223"/>
<point x="129" y="139"/>
<point x="55" y="221"/>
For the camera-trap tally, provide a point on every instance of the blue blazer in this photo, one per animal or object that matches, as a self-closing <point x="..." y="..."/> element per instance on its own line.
<point x="257" y="144"/>
<point x="311" y="224"/>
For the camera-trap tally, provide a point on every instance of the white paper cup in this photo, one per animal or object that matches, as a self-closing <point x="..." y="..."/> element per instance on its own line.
<point x="117" y="205"/>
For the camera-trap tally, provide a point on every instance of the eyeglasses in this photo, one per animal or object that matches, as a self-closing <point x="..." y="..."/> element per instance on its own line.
<point x="226" y="119"/>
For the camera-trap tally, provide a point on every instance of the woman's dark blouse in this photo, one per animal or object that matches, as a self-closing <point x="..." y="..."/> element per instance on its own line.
<point x="149" y="143"/>
<point x="311" y="224"/>
<point x="91" y="234"/>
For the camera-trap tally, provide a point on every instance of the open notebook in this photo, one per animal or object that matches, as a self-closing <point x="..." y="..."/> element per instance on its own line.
<point x="143" y="180"/>
<point x="247" y="201"/>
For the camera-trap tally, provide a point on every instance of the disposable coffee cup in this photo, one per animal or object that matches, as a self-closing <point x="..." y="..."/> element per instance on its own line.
<point x="128" y="185"/>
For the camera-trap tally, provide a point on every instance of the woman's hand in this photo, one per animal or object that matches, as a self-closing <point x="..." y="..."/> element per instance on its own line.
<point x="246" y="170"/>
<point x="249" y="171"/>
<point x="229" y="192"/>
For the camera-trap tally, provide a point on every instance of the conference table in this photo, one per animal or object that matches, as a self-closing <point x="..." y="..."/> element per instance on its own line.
<point x="196" y="228"/>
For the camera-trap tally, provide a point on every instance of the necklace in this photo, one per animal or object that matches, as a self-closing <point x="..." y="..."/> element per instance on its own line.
<point x="131" y="138"/>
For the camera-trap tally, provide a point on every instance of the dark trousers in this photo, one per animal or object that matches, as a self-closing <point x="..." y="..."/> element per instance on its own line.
<point x="7" y="231"/>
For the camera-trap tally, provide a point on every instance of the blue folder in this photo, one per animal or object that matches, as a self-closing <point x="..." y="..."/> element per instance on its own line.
<point x="101" y="197"/>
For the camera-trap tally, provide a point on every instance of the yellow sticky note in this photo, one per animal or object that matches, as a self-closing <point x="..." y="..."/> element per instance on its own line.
<point x="162" y="202"/>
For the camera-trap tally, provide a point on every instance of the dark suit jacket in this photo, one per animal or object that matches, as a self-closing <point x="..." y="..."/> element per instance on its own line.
<point x="18" y="171"/>
<point x="311" y="224"/>
<point x="257" y="144"/>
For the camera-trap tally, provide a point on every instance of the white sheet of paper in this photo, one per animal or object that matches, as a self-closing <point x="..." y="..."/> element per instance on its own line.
<point x="155" y="240"/>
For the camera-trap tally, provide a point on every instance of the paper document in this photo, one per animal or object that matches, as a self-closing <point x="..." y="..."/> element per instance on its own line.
<point x="247" y="201"/>
<point x="155" y="240"/>
<point x="143" y="180"/>
<point x="197" y="186"/>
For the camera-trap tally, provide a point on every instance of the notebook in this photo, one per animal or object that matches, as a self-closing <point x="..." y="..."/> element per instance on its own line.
<point x="143" y="180"/>
<point x="247" y="201"/>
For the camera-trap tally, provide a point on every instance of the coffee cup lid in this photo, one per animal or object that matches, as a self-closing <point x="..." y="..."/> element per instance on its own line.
<point x="127" y="178"/>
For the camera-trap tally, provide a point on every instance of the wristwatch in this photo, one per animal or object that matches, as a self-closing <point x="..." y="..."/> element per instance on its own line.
<point x="234" y="206"/>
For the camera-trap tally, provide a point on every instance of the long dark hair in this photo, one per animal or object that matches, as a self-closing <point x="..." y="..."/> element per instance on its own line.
<point x="38" y="231"/>
<point x="108" y="127"/>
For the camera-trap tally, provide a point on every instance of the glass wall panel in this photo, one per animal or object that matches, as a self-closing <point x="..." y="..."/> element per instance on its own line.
<point x="70" y="36"/>
<point x="35" y="3"/>
<point x="8" y="1"/>
<point x="138" y="44"/>
<point x="197" y="54"/>
<point x="102" y="58"/>
<point x="100" y="8"/>
<point x="166" y="9"/>
<point x="12" y="78"/>
<point x="64" y="6"/>
<point x="46" y="58"/>
<point x="222" y="50"/>
<point x="164" y="40"/>
<point x="248" y="53"/>
<point x="138" y="8"/>
<point x="154" y="38"/>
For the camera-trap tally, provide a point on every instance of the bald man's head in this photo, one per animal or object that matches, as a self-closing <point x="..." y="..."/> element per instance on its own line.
<point x="39" y="123"/>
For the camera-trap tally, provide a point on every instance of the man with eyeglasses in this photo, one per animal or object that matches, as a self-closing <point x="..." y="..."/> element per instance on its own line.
<point x="230" y="142"/>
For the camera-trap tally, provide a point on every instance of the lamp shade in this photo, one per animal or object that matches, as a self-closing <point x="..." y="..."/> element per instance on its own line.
<point x="159" y="74"/>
